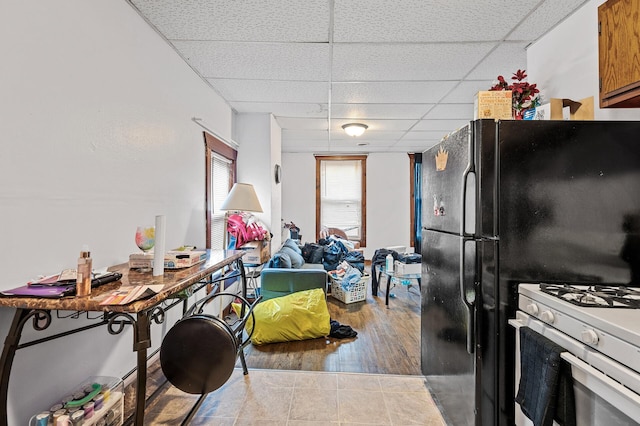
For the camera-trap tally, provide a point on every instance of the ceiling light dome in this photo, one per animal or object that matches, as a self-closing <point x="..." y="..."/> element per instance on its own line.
<point x="355" y="129"/>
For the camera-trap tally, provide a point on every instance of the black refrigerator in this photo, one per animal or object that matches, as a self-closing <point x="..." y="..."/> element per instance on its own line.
<point x="506" y="202"/>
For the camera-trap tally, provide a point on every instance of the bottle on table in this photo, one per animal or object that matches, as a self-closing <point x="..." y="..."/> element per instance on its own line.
<point x="83" y="281"/>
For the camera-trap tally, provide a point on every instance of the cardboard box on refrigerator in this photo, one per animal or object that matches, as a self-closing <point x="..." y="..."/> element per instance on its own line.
<point x="258" y="252"/>
<point x="566" y="109"/>
<point x="494" y="104"/>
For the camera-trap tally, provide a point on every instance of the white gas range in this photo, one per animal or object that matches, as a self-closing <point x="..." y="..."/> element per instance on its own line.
<point x="599" y="326"/>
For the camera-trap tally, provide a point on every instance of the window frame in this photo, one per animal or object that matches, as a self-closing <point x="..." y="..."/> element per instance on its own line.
<point x="214" y="145"/>
<point x="412" y="200"/>
<point x="363" y="191"/>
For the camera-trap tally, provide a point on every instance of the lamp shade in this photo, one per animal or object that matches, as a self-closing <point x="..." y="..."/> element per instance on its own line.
<point x="355" y="129"/>
<point x="242" y="197"/>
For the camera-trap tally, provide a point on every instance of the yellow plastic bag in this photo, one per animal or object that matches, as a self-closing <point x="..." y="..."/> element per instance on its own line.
<point x="297" y="316"/>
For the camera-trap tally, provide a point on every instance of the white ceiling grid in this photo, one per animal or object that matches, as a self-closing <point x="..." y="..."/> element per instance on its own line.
<point x="409" y="69"/>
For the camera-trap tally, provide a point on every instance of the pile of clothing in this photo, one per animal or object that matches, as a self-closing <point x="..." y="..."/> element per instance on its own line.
<point x="331" y="251"/>
<point x="341" y="331"/>
<point x="244" y="227"/>
<point x="347" y="274"/>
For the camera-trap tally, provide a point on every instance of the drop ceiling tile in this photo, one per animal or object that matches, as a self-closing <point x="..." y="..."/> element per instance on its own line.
<point x="295" y="142"/>
<point x="506" y="59"/>
<point x="379" y="111"/>
<point x="336" y="148"/>
<point x="544" y="18"/>
<point x="361" y="144"/>
<point x="317" y="110"/>
<point x="426" y="20"/>
<point x="446" y="126"/>
<point x="339" y="134"/>
<point x="304" y="135"/>
<point x="393" y="61"/>
<point x="418" y="62"/>
<point x="374" y="149"/>
<point x="466" y="91"/>
<point x="271" y="91"/>
<point x="232" y="20"/>
<point x="422" y="135"/>
<point x="303" y="123"/>
<point x="418" y="145"/>
<point x="451" y="111"/>
<point x="305" y="145"/>
<point x="264" y="61"/>
<point x="397" y="92"/>
<point x="375" y="125"/>
<point x="415" y="146"/>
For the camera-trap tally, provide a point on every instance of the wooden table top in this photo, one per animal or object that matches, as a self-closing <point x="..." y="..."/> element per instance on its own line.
<point x="173" y="280"/>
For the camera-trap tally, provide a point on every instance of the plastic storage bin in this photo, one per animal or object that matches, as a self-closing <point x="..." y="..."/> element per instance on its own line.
<point x="97" y="400"/>
<point x="357" y="294"/>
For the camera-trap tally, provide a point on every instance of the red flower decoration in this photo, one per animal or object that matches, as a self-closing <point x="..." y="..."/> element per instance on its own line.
<point x="524" y="95"/>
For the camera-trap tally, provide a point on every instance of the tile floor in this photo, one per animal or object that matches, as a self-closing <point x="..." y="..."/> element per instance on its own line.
<point x="303" y="398"/>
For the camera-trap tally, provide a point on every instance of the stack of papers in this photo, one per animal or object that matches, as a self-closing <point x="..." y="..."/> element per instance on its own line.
<point x="128" y="294"/>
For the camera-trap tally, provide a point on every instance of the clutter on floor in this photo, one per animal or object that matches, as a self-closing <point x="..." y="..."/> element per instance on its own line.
<point x="340" y="331"/>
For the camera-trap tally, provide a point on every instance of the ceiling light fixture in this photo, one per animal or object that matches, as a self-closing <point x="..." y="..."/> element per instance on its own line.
<point x="355" y="129"/>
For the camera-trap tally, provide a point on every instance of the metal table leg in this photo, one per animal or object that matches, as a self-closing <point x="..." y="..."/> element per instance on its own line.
<point x="386" y="296"/>
<point x="142" y="341"/>
<point x="243" y="277"/>
<point x="8" y="353"/>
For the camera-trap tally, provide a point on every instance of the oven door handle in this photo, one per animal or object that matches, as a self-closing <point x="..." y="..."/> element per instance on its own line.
<point x="621" y="397"/>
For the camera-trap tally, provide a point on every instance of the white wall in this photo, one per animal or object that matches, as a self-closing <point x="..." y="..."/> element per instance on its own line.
<point x="564" y="63"/>
<point x="388" y="183"/>
<point x="276" y="188"/>
<point x="96" y="138"/>
<point x="298" y="192"/>
<point x="260" y="138"/>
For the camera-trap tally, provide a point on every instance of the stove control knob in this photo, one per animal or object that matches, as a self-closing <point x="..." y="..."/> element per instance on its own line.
<point x="532" y="309"/>
<point x="548" y="317"/>
<point x="589" y="337"/>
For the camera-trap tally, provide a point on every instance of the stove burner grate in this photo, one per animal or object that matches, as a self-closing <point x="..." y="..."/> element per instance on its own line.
<point x="595" y="295"/>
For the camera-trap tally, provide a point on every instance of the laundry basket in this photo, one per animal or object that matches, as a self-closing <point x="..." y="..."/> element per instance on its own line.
<point x="357" y="294"/>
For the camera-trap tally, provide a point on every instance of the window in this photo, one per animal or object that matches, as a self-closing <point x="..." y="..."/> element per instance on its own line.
<point x="341" y="195"/>
<point x="220" y="176"/>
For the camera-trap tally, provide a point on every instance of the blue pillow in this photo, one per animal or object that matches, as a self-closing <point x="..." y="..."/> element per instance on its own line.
<point x="280" y="260"/>
<point x="292" y="245"/>
<point x="296" y="258"/>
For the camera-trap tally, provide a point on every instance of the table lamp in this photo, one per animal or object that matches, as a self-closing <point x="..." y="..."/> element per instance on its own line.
<point x="241" y="198"/>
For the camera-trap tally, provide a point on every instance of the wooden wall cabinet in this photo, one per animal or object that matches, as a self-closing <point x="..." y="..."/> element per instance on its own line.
<point x="619" y="53"/>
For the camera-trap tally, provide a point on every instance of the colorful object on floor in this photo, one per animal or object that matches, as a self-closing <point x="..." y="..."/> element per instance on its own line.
<point x="297" y="316"/>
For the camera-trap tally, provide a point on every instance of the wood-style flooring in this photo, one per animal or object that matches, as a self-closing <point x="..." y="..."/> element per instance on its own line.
<point x="388" y="340"/>
<point x="388" y="343"/>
